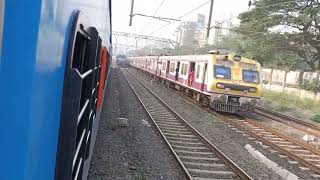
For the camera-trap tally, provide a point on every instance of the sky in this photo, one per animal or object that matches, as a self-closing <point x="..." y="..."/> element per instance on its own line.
<point x="222" y="10"/>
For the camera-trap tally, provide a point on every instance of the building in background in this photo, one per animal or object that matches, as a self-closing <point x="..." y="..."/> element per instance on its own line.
<point x="201" y="20"/>
<point x="188" y="32"/>
<point x="217" y="32"/>
<point x="201" y="37"/>
<point x="221" y="29"/>
<point x="194" y="32"/>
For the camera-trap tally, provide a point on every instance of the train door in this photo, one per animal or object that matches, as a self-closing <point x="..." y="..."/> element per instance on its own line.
<point x="204" y="76"/>
<point x="167" y="69"/>
<point x="192" y="66"/>
<point x="177" y="71"/>
<point x="79" y="100"/>
<point x="191" y="72"/>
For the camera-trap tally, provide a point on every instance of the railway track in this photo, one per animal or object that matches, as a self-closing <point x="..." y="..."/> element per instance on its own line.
<point x="300" y="152"/>
<point x="296" y="150"/>
<point x="199" y="159"/>
<point x="307" y="127"/>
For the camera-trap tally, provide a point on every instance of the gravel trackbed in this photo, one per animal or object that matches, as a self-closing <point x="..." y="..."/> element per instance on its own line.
<point x="136" y="151"/>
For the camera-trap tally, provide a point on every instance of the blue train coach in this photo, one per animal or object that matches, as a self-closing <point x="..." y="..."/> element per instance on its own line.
<point x="55" y="57"/>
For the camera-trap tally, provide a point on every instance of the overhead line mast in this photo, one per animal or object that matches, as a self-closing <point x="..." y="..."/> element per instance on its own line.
<point x="209" y="21"/>
<point x="131" y="13"/>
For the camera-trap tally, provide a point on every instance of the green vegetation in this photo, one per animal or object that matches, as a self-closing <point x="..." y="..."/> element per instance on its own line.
<point x="283" y="34"/>
<point x="313" y="85"/>
<point x="316" y="118"/>
<point x="282" y="102"/>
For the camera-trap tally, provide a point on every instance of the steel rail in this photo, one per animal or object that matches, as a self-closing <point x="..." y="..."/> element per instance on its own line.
<point x="259" y="136"/>
<point x="213" y="149"/>
<point x="300" y="143"/>
<point x="269" y="113"/>
<point x="163" y="136"/>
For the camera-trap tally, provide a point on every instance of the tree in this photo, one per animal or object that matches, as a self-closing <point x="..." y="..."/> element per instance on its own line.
<point x="205" y="49"/>
<point x="288" y="29"/>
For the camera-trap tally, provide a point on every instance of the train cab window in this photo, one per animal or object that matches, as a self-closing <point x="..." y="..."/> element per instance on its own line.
<point x="222" y="72"/>
<point x="250" y="76"/>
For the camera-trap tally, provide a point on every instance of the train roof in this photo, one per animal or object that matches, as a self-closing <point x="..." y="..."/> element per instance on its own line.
<point x="197" y="58"/>
<point x="192" y="58"/>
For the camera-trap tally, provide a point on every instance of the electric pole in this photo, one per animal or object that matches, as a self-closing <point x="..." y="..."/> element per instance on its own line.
<point x="131" y="13"/>
<point x="209" y="21"/>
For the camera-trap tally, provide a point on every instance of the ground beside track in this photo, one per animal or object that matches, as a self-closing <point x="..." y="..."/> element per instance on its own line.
<point x="232" y="143"/>
<point x="134" y="152"/>
<point x="291" y="105"/>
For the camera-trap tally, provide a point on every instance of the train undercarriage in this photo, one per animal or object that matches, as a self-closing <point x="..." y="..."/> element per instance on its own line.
<point x="232" y="104"/>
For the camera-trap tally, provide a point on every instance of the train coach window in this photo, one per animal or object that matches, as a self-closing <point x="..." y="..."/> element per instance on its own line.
<point x="222" y="72"/>
<point x="172" y="67"/>
<point x="184" y="68"/>
<point x="250" y="76"/>
<point x="198" y="71"/>
<point x="164" y="66"/>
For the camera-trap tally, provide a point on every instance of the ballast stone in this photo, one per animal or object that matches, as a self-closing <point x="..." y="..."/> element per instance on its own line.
<point x="122" y="122"/>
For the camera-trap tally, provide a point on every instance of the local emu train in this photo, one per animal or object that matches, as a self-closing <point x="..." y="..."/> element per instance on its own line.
<point x="225" y="82"/>
<point x="122" y="60"/>
<point x="55" y="58"/>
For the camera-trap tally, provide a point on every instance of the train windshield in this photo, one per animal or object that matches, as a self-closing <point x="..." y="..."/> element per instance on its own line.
<point x="121" y="57"/>
<point x="250" y="76"/>
<point x="222" y="72"/>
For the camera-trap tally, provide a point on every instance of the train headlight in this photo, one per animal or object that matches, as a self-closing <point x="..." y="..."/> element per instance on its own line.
<point x="237" y="58"/>
<point x="220" y="86"/>
<point x="252" y="90"/>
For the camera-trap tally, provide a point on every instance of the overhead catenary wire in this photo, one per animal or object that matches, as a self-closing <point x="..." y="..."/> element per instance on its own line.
<point x="159" y="18"/>
<point x="277" y="4"/>
<point x="185" y="14"/>
<point x="155" y="12"/>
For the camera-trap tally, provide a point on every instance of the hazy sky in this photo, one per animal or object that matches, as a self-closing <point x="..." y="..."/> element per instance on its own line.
<point x="222" y="10"/>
